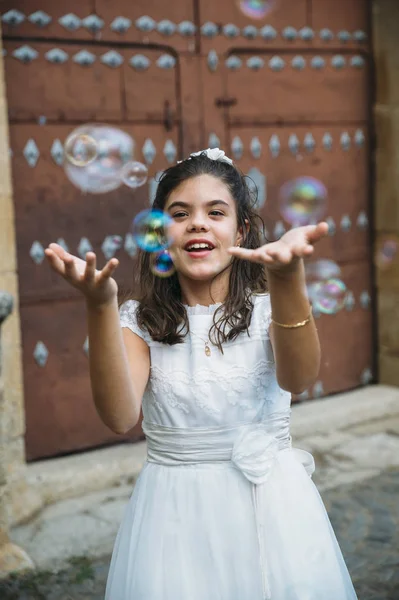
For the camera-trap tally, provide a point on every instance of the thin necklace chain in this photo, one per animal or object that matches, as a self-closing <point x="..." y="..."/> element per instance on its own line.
<point x="207" y="343"/>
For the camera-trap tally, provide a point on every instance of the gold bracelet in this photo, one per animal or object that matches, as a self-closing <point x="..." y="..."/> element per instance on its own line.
<point x="295" y="325"/>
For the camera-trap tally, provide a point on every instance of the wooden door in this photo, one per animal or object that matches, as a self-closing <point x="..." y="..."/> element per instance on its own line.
<point x="286" y="94"/>
<point x="290" y="96"/>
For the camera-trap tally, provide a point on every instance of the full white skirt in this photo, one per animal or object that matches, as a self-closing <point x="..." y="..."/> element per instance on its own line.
<point x="190" y="533"/>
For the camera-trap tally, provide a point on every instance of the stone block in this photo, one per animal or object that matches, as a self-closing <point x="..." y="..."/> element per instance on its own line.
<point x="386" y="56"/>
<point x="378" y="451"/>
<point x="386" y="207"/>
<point x="8" y="261"/>
<point x="388" y="321"/>
<point x="388" y="366"/>
<point x="22" y="501"/>
<point x="12" y="459"/>
<point x="387" y="273"/>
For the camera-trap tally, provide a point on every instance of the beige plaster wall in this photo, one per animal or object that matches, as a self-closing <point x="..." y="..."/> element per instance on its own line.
<point x="386" y="194"/>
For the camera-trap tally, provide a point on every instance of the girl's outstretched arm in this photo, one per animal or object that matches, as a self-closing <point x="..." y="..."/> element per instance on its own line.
<point x="296" y="350"/>
<point x="119" y="362"/>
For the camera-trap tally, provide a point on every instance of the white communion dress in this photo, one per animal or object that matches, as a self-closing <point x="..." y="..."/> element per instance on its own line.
<point x="224" y="508"/>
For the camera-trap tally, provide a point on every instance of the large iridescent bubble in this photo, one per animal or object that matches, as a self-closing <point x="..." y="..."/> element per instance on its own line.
<point x="162" y="264"/>
<point x="95" y="155"/>
<point x="303" y="201"/>
<point x="151" y="230"/>
<point x="326" y="290"/>
<point x="256" y="9"/>
<point x="328" y="297"/>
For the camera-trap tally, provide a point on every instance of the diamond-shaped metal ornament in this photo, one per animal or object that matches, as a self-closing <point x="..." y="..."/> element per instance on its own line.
<point x="338" y="61"/>
<point x="153" y="186"/>
<point x="213" y="60"/>
<point x="84" y="58"/>
<point x="120" y="24"/>
<point x="186" y="28"/>
<point x="86" y="346"/>
<point x="56" y="56"/>
<point x="331" y="226"/>
<point x="130" y="245"/>
<point x="290" y="33"/>
<point x="166" y="61"/>
<point x="298" y="63"/>
<point x="146" y="24"/>
<point x="309" y="142"/>
<point x="93" y="23"/>
<point x="359" y="36"/>
<point x="257" y="184"/>
<point x="344" y="36"/>
<point x="256" y="147"/>
<point x="233" y="63"/>
<point x="318" y="62"/>
<point x="346" y="223"/>
<point x="112" y="59"/>
<point x="366" y="376"/>
<point x="166" y="27"/>
<point x="318" y="390"/>
<point x="40" y="354"/>
<point x="357" y="61"/>
<point x="293" y="143"/>
<point x="326" y="35"/>
<point x="37" y="252"/>
<point x="31" y="152"/>
<point x="84" y="247"/>
<point x="170" y="151"/>
<point x="250" y="32"/>
<point x="25" y="54"/>
<point x="231" y="31"/>
<point x="274" y="145"/>
<point x="327" y="141"/>
<point x="40" y="18"/>
<point x="362" y="222"/>
<point x="276" y="63"/>
<point x="57" y="152"/>
<point x="70" y="21"/>
<point x="306" y="34"/>
<point x="209" y="29"/>
<point x="349" y="302"/>
<point x="149" y="151"/>
<point x="303" y="396"/>
<point x="110" y="245"/>
<point x="255" y="63"/>
<point x="237" y="147"/>
<point x="268" y="33"/>
<point x="359" y="138"/>
<point x="213" y="141"/>
<point x="139" y="62"/>
<point x="365" y="300"/>
<point x="13" y="17"/>
<point x="61" y="242"/>
<point x="345" y="141"/>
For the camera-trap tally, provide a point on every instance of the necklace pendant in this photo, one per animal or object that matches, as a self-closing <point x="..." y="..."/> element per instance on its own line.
<point x="207" y="349"/>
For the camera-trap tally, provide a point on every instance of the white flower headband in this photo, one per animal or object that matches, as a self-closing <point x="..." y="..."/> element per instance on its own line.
<point x="213" y="154"/>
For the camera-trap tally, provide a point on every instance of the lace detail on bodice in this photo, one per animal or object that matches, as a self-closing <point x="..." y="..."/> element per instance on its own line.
<point x="199" y="309"/>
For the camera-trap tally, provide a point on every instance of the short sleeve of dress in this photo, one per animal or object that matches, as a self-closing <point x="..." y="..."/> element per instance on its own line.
<point x="127" y="316"/>
<point x="263" y="310"/>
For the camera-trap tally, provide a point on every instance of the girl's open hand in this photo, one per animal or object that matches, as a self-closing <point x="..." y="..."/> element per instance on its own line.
<point x="288" y="250"/>
<point x="98" y="287"/>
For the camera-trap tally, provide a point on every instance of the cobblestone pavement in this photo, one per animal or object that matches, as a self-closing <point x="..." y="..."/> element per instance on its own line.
<point x="365" y="518"/>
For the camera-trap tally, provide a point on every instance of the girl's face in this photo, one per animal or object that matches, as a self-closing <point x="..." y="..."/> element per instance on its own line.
<point x="204" y="227"/>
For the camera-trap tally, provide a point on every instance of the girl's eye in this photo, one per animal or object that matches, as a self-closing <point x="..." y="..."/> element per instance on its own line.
<point x="179" y="214"/>
<point x="218" y="213"/>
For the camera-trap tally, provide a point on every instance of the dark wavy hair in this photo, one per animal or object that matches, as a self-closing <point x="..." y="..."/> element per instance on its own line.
<point x="160" y="309"/>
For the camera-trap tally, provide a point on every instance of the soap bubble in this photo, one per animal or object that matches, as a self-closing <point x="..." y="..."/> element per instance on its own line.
<point x="151" y="230"/>
<point x="80" y="149"/>
<point x="320" y="270"/>
<point x="256" y="9"/>
<point x="386" y="253"/>
<point x="134" y="174"/>
<point x="303" y="201"/>
<point x="102" y="174"/>
<point x="162" y="264"/>
<point x="328" y="297"/>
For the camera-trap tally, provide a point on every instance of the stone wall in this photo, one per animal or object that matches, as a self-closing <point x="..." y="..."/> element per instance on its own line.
<point x="385" y="15"/>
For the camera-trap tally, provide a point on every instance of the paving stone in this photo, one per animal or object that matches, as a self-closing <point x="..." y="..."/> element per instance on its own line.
<point x="378" y="451"/>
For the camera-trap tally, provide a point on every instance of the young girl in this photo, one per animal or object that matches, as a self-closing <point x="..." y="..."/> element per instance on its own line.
<point x="224" y="508"/>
